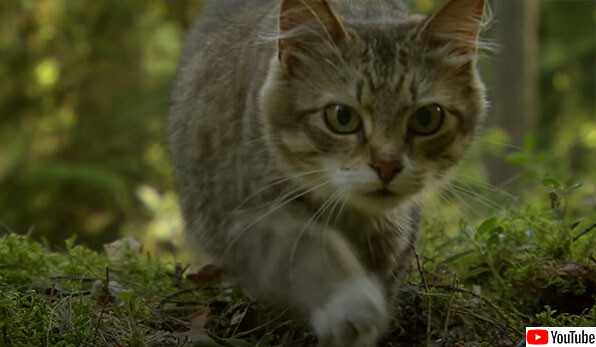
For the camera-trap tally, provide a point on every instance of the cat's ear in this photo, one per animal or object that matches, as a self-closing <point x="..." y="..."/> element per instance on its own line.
<point x="306" y="22"/>
<point x="457" y="23"/>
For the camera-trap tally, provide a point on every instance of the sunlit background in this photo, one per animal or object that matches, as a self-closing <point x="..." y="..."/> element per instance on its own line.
<point x="83" y="95"/>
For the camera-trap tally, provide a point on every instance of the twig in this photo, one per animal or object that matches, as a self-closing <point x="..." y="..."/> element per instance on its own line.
<point x="428" y="320"/>
<point x="486" y="300"/>
<point x="70" y="278"/>
<point x="103" y="308"/>
<point x="180" y="292"/>
<point x="449" y="307"/>
<point x="218" y="339"/>
<point x="590" y="228"/>
<point x="248" y="332"/>
<point x="495" y="323"/>
<point x="478" y="296"/>
<point x="60" y="296"/>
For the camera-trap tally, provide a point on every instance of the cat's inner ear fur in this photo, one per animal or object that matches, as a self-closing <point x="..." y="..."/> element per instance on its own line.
<point x="304" y="23"/>
<point x="458" y="24"/>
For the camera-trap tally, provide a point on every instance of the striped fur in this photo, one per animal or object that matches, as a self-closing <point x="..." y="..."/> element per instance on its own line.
<point x="286" y="205"/>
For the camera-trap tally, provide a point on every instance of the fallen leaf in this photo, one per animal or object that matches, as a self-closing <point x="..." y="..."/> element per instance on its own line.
<point x="113" y="292"/>
<point x="53" y="291"/>
<point x="198" y="322"/>
<point x="115" y="250"/>
<point x="238" y="316"/>
<point x="208" y="274"/>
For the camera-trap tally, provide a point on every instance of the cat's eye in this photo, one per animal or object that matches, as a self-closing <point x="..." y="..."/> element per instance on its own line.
<point x="426" y="120"/>
<point x="342" y="119"/>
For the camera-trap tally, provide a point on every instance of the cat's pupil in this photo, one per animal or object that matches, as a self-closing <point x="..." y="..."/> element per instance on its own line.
<point x="344" y="115"/>
<point x="424" y="117"/>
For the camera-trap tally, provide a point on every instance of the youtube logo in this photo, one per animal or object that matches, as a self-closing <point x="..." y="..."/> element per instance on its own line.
<point x="537" y="337"/>
<point x="561" y="336"/>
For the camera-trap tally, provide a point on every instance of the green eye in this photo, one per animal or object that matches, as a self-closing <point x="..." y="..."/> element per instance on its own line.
<point x="426" y="120"/>
<point x="342" y="119"/>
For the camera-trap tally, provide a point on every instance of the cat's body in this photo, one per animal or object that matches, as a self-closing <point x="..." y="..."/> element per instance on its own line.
<point x="298" y="165"/>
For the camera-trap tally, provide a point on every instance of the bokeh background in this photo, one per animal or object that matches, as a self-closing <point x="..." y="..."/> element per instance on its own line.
<point x="83" y="96"/>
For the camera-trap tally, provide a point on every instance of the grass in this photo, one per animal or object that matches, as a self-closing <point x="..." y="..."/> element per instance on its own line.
<point x="474" y="284"/>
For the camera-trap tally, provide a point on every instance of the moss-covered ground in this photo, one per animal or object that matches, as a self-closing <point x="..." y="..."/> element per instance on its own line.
<point x="478" y="286"/>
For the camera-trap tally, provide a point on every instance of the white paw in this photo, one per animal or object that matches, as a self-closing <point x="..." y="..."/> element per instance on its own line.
<point x="355" y="315"/>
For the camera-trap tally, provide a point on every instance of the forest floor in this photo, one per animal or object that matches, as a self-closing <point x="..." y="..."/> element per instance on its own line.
<point x="481" y="286"/>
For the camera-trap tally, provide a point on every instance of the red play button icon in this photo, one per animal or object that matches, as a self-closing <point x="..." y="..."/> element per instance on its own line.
<point x="537" y="337"/>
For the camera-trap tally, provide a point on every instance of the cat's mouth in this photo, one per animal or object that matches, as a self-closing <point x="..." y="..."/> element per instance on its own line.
<point x="383" y="193"/>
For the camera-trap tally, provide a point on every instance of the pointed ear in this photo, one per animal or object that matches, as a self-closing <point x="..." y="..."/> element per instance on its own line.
<point x="458" y="23"/>
<point x="303" y="22"/>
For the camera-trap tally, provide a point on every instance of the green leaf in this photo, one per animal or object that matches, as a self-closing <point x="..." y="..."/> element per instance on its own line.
<point x="125" y="296"/>
<point x="552" y="183"/>
<point x="519" y="159"/>
<point x="459" y="255"/>
<point x="488" y="225"/>
<point x="493" y="241"/>
<point x="574" y="187"/>
<point x="475" y="272"/>
<point x="530" y="143"/>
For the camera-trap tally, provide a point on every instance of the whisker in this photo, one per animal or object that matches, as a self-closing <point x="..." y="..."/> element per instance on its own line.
<point x="319" y="212"/>
<point x="462" y="202"/>
<point x="485" y="185"/>
<point x="269" y="212"/>
<point x="477" y="197"/>
<point x="274" y="182"/>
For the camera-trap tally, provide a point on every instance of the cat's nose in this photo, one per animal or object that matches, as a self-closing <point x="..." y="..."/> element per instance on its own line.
<point x="387" y="170"/>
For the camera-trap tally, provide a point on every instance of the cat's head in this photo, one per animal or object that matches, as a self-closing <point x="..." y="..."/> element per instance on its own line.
<point x="375" y="109"/>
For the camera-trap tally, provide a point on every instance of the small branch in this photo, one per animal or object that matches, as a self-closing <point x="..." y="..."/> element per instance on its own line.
<point x="218" y="339"/>
<point x="428" y="321"/>
<point x="178" y="293"/>
<point x="449" y="307"/>
<point x="69" y="278"/>
<point x="587" y="230"/>
<point x="103" y="308"/>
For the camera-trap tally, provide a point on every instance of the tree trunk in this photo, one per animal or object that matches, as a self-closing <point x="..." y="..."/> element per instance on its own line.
<point x="515" y="81"/>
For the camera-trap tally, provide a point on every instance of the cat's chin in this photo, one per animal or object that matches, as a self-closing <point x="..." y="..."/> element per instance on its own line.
<point x="378" y="201"/>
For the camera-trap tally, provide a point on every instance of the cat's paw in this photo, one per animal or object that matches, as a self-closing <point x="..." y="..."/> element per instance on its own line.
<point x="354" y="316"/>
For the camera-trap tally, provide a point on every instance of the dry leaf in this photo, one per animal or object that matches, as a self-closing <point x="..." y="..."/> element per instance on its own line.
<point x="114" y="292"/>
<point x="198" y="323"/>
<point x="54" y="291"/>
<point x="115" y="250"/>
<point x="238" y="316"/>
<point x="208" y="274"/>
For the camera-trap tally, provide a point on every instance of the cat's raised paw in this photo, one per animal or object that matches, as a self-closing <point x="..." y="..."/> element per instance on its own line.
<point x="354" y="316"/>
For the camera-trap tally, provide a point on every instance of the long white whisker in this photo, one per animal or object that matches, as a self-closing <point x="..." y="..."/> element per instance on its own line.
<point x="269" y="212"/>
<point x="273" y="183"/>
<point x="319" y="212"/>
<point x="479" y="198"/>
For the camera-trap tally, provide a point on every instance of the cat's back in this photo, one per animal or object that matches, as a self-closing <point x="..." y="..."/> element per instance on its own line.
<point x="370" y="10"/>
<point x="239" y="20"/>
<point x="222" y="59"/>
<point x="222" y="31"/>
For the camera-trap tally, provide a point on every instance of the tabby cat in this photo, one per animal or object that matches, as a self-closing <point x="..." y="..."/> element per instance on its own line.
<point x="305" y="134"/>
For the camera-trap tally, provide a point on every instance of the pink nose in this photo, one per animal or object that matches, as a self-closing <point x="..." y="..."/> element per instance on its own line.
<point x="387" y="170"/>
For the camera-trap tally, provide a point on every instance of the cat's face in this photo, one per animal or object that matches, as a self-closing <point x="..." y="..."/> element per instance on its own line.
<point x="376" y="113"/>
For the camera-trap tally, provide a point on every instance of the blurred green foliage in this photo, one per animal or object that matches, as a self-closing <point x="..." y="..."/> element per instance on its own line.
<point x="82" y="100"/>
<point x="567" y="104"/>
<point x="84" y="93"/>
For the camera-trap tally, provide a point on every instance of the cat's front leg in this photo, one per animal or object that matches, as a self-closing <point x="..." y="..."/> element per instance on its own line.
<point x="315" y="269"/>
<point x="355" y="315"/>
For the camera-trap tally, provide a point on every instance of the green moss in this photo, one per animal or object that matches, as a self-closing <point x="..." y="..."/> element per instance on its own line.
<point x="478" y="283"/>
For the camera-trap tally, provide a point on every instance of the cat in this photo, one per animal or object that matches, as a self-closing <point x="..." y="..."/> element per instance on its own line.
<point x="304" y="136"/>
